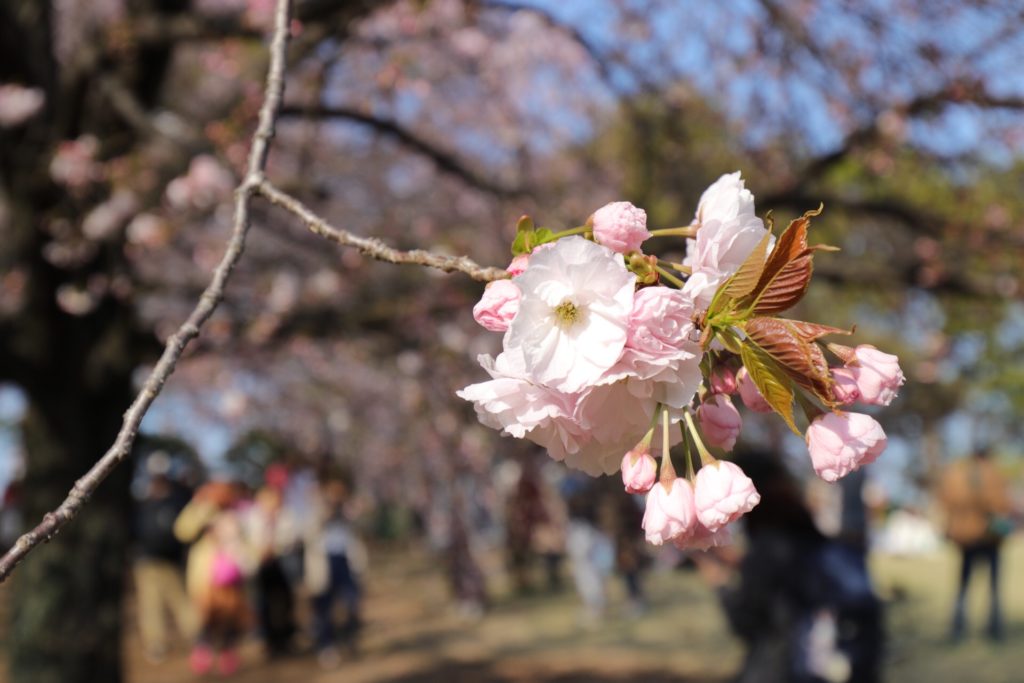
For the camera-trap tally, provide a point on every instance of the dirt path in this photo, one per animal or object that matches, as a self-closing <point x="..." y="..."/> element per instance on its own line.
<point x="413" y="635"/>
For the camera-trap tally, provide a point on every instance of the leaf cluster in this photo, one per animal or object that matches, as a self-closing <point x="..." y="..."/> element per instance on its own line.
<point x="778" y="353"/>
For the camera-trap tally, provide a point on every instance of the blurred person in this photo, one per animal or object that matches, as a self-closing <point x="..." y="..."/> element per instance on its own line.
<point x="802" y="602"/>
<point x="525" y="514"/>
<point x="550" y="535"/>
<point x="626" y="516"/>
<point x="159" y="582"/>
<point x="219" y="559"/>
<point x="334" y="555"/>
<point x="274" y="534"/>
<point x="977" y="505"/>
<point x="590" y="550"/>
<point x="469" y="586"/>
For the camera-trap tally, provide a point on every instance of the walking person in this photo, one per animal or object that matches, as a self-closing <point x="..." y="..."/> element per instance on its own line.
<point x="974" y="495"/>
<point x="219" y="559"/>
<point x="159" y="580"/>
<point x="274" y="535"/>
<point x="334" y="555"/>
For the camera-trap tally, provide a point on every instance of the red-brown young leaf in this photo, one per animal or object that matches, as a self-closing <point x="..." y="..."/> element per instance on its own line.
<point x="787" y="271"/>
<point x="814" y="331"/>
<point x="802" y="359"/>
<point x="788" y="286"/>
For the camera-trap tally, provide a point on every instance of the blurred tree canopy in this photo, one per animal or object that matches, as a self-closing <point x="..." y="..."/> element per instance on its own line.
<point x="123" y="124"/>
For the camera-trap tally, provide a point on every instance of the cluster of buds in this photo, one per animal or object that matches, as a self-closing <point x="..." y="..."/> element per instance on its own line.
<point x="605" y="345"/>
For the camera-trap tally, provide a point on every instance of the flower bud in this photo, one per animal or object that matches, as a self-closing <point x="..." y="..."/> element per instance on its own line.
<point x="720" y="422"/>
<point x="750" y="394"/>
<point x="670" y="512"/>
<point x="844" y="389"/>
<point x="620" y="226"/>
<point x="723" y="381"/>
<point x="518" y="265"/>
<point x="840" y="443"/>
<point x="498" y="306"/>
<point x="878" y="375"/>
<point x="722" y="494"/>
<point x="639" y="471"/>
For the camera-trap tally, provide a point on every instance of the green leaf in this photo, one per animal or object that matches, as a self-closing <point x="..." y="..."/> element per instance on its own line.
<point x="521" y="244"/>
<point x="770" y="380"/>
<point x="542" y="236"/>
<point x="524" y="241"/>
<point x="743" y="280"/>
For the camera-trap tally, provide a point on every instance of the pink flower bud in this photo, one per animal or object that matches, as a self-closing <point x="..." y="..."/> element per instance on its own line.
<point x="639" y="471"/>
<point x="723" y="381"/>
<point x="845" y="390"/>
<point x="877" y="374"/>
<point x="722" y="494"/>
<point x="498" y="306"/>
<point x="752" y="398"/>
<point x="703" y="538"/>
<point x="518" y="265"/>
<point x="670" y="512"/>
<point x="841" y="442"/>
<point x="620" y="226"/>
<point x="720" y="422"/>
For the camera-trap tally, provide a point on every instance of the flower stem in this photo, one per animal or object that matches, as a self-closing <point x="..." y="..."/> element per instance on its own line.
<point x="669" y="276"/>
<point x="668" y="471"/>
<point x="685" y="231"/>
<point x="572" y="231"/>
<point x="705" y="455"/>
<point x="685" y="270"/>
<point x="689" y="451"/>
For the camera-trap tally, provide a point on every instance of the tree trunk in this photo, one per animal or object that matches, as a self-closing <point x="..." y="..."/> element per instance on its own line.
<point x="66" y="612"/>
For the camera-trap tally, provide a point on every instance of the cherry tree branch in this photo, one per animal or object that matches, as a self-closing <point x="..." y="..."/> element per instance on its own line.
<point x="445" y="161"/>
<point x="212" y="296"/>
<point x="375" y="248"/>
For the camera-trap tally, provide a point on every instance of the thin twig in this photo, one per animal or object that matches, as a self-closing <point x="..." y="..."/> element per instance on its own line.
<point x="375" y="248"/>
<point x="208" y="302"/>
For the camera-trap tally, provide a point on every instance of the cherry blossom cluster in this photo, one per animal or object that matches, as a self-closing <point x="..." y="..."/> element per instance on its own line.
<point x="607" y="346"/>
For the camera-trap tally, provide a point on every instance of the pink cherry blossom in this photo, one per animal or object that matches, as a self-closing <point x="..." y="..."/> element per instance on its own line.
<point x="588" y="430"/>
<point x="878" y="375"/>
<point x="615" y="416"/>
<point x="670" y="512"/>
<point x="573" y="316"/>
<point x="722" y="494"/>
<point x="518" y="265"/>
<point x="498" y="305"/>
<point x="661" y="358"/>
<point x="844" y="389"/>
<point x="620" y="226"/>
<point x="725" y="199"/>
<point x="723" y="381"/>
<point x="720" y="422"/>
<point x="18" y="104"/>
<point x="639" y="470"/>
<point x="750" y="394"/>
<point x="660" y="322"/>
<point x="522" y="409"/>
<point x="840" y="443"/>
<point x="727" y="231"/>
